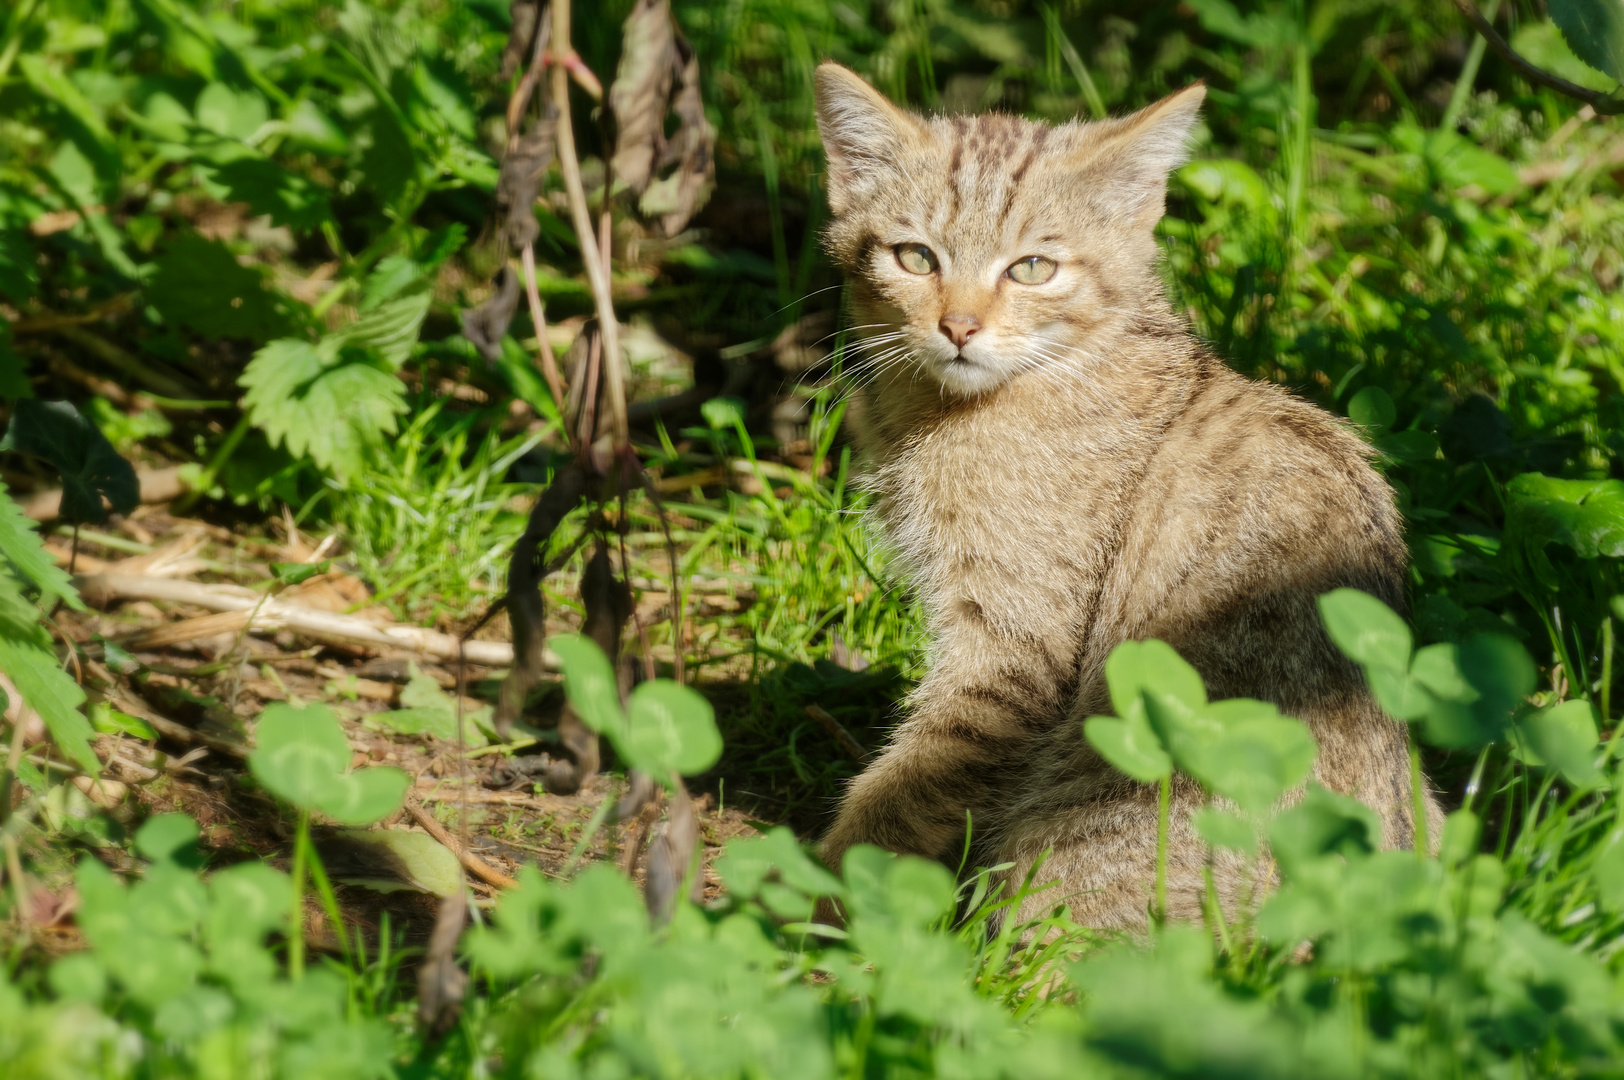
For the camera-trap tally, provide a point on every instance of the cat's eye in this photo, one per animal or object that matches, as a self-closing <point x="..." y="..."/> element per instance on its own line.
<point x="916" y="258"/>
<point x="1032" y="270"/>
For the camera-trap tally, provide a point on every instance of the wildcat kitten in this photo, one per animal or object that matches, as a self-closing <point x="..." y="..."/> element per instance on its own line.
<point x="1061" y="466"/>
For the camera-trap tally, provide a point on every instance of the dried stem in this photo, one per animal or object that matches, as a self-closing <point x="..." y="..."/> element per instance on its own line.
<point x="597" y="270"/>
<point x="1607" y="104"/>
<point x="538" y="316"/>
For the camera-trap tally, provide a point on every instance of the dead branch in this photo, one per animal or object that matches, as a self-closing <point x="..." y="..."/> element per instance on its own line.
<point x="471" y="862"/>
<point x="276" y="614"/>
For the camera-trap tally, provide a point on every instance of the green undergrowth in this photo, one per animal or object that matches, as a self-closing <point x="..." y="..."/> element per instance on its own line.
<point x="238" y="238"/>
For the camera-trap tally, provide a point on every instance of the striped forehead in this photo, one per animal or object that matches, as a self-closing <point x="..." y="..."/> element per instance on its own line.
<point x="986" y="159"/>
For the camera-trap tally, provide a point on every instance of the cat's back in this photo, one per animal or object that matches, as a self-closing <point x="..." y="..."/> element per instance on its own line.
<point x="1255" y="503"/>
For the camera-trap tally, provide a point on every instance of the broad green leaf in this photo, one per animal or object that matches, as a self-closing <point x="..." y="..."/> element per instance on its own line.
<point x="1541" y="44"/>
<point x="1366" y="630"/>
<point x="232" y="114"/>
<point x="301" y="755"/>
<point x="1188" y="731"/>
<point x="1407" y="445"/>
<point x="1136" y="666"/>
<point x="200" y="285"/>
<point x="1225" y="830"/>
<point x="288" y="198"/>
<point x="589" y="683"/>
<point x="1437" y="667"/>
<point x="401" y="859"/>
<point x="1372" y="409"/>
<point x="53" y="694"/>
<point x="365" y="795"/>
<point x="1594" y="29"/>
<point x="1240" y="749"/>
<point x="1564" y="737"/>
<point x="90" y="468"/>
<point x="1400" y="694"/>
<point x="671" y="728"/>
<point x="164" y="836"/>
<point x="250" y="899"/>
<point x="1462" y="832"/>
<point x="1129" y="745"/>
<point x="321" y="402"/>
<point x="20" y="546"/>
<point x="78" y="977"/>
<point x="723" y="413"/>
<point x="1324" y="823"/>
<point x="427" y="708"/>
<point x="749" y="861"/>
<point x="1607" y="872"/>
<point x="1586" y="515"/>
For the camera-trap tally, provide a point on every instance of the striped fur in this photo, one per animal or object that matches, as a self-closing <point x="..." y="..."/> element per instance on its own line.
<point x="1081" y="473"/>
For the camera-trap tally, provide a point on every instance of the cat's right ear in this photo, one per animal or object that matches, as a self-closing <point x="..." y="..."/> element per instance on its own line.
<point x="862" y="134"/>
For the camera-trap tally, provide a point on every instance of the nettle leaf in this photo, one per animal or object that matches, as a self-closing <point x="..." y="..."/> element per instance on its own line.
<point x="1366" y="630"/>
<point x="90" y="467"/>
<point x="200" y="285"/>
<point x="53" y="694"/>
<point x="21" y="547"/>
<point x="320" y="402"/>
<point x="589" y="683"/>
<point x="390" y="329"/>
<point x="268" y="188"/>
<point x="1594" y="30"/>
<point x="671" y="728"/>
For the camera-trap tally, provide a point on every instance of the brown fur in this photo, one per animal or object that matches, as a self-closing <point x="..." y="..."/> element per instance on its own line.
<point x="1083" y="473"/>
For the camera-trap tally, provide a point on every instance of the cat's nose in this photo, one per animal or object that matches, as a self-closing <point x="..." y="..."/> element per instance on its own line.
<point x="958" y="328"/>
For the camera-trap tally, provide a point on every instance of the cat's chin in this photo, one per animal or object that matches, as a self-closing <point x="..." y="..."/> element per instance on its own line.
<point x="967" y="378"/>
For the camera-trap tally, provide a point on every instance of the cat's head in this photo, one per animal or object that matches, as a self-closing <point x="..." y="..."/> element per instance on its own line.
<point x="982" y="247"/>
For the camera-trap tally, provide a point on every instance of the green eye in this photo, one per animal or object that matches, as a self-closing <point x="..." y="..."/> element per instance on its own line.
<point x="916" y="258"/>
<point x="1032" y="270"/>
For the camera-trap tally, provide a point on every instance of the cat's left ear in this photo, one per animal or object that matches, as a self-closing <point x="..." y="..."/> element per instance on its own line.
<point x="1145" y="147"/>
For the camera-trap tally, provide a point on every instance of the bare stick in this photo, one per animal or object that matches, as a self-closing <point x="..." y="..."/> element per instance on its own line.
<point x="471" y="862"/>
<point x="597" y="272"/>
<point x="853" y="748"/>
<point x="1606" y="104"/>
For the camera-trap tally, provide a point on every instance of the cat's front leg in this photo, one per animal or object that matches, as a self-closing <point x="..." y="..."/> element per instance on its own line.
<point x="943" y="768"/>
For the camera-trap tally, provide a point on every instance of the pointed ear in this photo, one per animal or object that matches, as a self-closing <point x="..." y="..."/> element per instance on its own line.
<point x="862" y="133"/>
<point x="1148" y="145"/>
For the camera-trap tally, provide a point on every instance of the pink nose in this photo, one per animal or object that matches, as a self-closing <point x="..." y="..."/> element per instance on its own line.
<point x="958" y="328"/>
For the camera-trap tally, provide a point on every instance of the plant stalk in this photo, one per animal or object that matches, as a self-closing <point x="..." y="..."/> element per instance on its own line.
<point x="1164" y="800"/>
<point x="296" y="942"/>
<point x="597" y="273"/>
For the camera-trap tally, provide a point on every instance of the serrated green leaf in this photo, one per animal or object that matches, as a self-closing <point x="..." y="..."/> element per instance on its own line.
<point x="670" y="728"/>
<point x="90" y="468"/>
<point x="1594" y="30"/>
<point x="390" y="330"/>
<point x="53" y="694"/>
<point x="20" y="545"/>
<point x="318" y="403"/>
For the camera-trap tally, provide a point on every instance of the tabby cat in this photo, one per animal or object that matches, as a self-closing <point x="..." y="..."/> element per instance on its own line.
<point x="1061" y="466"/>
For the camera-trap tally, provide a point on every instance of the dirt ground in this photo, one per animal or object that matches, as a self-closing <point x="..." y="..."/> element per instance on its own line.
<point x="191" y="673"/>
